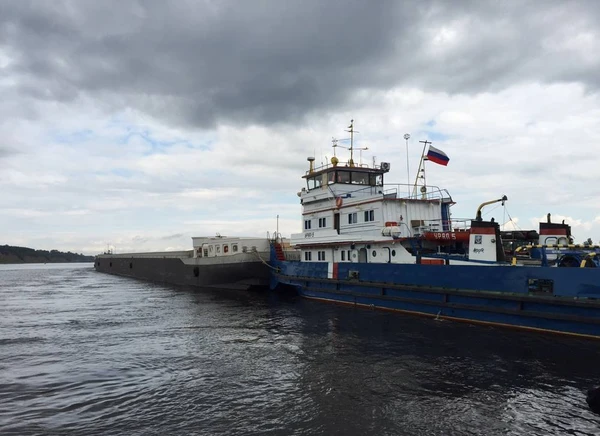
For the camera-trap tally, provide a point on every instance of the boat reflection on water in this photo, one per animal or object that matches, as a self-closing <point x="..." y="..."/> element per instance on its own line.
<point x="440" y="377"/>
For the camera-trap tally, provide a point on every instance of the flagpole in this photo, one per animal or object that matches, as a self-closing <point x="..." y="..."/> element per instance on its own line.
<point x="421" y="163"/>
<point x="417" y="176"/>
<point x="407" y="136"/>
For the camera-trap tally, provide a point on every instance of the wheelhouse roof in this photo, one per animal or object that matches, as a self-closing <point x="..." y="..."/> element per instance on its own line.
<point x="348" y="169"/>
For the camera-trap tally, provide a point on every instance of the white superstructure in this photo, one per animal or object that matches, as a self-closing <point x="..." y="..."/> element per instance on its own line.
<point x="222" y="246"/>
<point x="350" y="215"/>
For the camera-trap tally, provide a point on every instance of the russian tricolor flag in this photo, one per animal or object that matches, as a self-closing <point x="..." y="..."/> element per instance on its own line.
<point x="437" y="156"/>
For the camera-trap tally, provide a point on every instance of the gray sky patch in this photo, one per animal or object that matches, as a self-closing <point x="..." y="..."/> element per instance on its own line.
<point x="198" y="63"/>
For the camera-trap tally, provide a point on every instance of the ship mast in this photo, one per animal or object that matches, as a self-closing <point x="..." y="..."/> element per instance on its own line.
<point x="421" y="170"/>
<point x="352" y="131"/>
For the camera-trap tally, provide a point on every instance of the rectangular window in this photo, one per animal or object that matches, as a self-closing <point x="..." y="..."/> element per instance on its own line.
<point x="321" y="255"/>
<point x="314" y="183"/>
<point x="352" y="218"/>
<point x="307" y="224"/>
<point x="343" y="255"/>
<point x="349" y="259"/>
<point x="322" y="222"/>
<point x="360" y="178"/>
<point x="234" y="248"/>
<point x="217" y="249"/>
<point x="369" y="215"/>
<point x="343" y="177"/>
<point x="205" y="252"/>
<point x="376" y="180"/>
<point x="307" y="255"/>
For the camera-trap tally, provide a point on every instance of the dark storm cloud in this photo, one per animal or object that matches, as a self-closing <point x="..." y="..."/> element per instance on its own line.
<point x="196" y="62"/>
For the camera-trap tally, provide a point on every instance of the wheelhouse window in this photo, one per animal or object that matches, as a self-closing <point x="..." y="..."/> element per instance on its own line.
<point x="369" y="215"/>
<point x="352" y="219"/>
<point x="359" y="178"/>
<point x="307" y="224"/>
<point x="376" y="180"/>
<point x="343" y="177"/>
<point x="322" y="222"/>
<point x="331" y="177"/>
<point x="354" y="177"/>
<point x="314" y="182"/>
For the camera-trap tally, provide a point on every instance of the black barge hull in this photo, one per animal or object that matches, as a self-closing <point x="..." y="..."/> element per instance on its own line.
<point x="212" y="273"/>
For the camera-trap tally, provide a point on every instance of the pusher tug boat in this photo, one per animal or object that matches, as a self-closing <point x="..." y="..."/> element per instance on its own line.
<point x="365" y="244"/>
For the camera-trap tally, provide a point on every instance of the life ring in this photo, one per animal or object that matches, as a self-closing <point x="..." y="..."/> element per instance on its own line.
<point x="338" y="202"/>
<point x="225" y="248"/>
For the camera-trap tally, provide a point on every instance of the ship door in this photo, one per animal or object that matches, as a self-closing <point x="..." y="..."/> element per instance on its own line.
<point x="336" y="222"/>
<point x="389" y="254"/>
<point x="362" y="255"/>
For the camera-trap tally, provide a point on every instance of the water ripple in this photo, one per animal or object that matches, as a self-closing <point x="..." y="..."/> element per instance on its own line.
<point x="88" y="353"/>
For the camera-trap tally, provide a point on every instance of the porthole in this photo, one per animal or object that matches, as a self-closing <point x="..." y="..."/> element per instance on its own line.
<point x="374" y="253"/>
<point x="393" y="252"/>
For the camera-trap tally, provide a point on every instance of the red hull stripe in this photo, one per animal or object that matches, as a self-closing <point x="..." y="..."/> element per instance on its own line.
<point x="483" y="231"/>
<point x="447" y="236"/>
<point x="432" y="261"/>
<point x="559" y="232"/>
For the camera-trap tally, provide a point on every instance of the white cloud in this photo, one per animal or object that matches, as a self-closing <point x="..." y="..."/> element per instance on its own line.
<point x="534" y="153"/>
<point x="132" y="162"/>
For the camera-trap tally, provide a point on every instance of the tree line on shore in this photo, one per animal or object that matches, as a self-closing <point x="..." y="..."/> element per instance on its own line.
<point x="12" y="254"/>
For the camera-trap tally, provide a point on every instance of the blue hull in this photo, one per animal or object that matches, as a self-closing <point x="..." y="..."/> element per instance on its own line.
<point x="558" y="300"/>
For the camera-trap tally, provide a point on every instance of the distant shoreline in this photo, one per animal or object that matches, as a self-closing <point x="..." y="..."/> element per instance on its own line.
<point x="18" y="255"/>
<point x="43" y="263"/>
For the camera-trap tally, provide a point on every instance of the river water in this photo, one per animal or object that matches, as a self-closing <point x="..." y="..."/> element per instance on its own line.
<point x="86" y="353"/>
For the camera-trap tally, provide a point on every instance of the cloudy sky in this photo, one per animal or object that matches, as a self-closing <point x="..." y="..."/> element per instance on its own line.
<point x="142" y="123"/>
